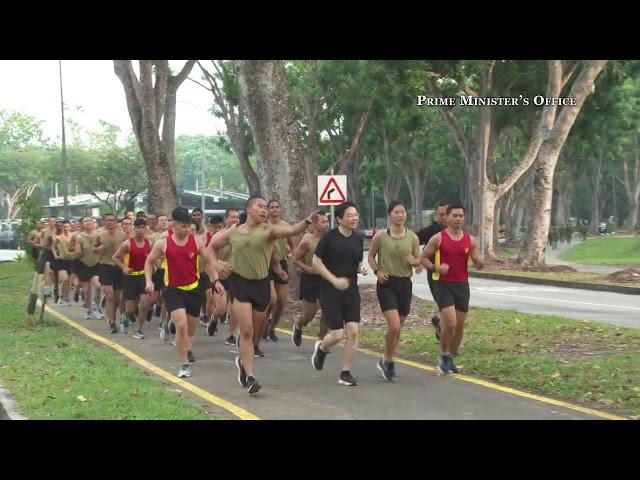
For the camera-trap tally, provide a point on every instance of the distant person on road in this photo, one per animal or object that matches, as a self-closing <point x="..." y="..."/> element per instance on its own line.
<point x="452" y="248"/>
<point x="393" y="254"/>
<point x="439" y="223"/>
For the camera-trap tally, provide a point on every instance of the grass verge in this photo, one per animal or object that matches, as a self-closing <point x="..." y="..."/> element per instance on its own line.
<point x="605" y="251"/>
<point x="54" y="373"/>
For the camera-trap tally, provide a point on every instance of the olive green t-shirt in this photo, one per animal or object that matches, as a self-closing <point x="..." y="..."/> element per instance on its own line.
<point x="392" y="253"/>
<point x="308" y="257"/>
<point x="250" y="253"/>
<point x="87" y="242"/>
<point x="64" y="247"/>
<point x="111" y="243"/>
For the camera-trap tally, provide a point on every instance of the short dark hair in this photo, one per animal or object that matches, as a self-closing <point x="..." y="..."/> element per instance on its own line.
<point x="162" y="215"/>
<point x="228" y="211"/>
<point x="442" y="203"/>
<point x="140" y="222"/>
<point x="110" y="214"/>
<point x="340" y="209"/>
<point x="66" y="221"/>
<point x="215" y="219"/>
<point x="140" y="213"/>
<point x="272" y="201"/>
<point x="181" y="214"/>
<point x="394" y="204"/>
<point x="455" y="206"/>
<point x="250" y="200"/>
<point x="197" y="209"/>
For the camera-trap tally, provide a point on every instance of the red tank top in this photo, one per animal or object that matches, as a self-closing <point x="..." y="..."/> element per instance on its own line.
<point x="456" y="255"/>
<point x="182" y="264"/>
<point x="138" y="255"/>
<point x="209" y="237"/>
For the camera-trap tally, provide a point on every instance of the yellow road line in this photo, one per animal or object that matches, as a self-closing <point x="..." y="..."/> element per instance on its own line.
<point x="493" y="386"/>
<point x="234" y="409"/>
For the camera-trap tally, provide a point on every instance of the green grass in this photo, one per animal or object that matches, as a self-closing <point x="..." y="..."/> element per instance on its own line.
<point x="567" y="277"/>
<point x="507" y="252"/>
<point x="54" y="373"/>
<point x="582" y="362"/>
<point x="605" y="251"/>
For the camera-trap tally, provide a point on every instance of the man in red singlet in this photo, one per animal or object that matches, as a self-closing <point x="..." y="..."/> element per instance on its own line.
<point x="452" y="248"/>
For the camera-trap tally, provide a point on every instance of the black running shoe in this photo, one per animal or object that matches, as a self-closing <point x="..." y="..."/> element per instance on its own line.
<point x="443" y="364"/>
<point x="190" y="356"/>
<point x="452" y="366"/>
<point x="76" y="295"/>
<point x="242" y="375"/>
<point x="272" y="335"/>
<point x="212" y="327"/>
<point x="317" y="359"/>
<point x="231" y="340"/>
<point x="252" y="385"/>
<point x="347" y="379"/>
<point x="297" y="336"/>
<point x="114" y="328"/>
<point x="385" y="370"/>
<point x="257" y="352"/>
<point x="435" y="321"/>
<point x="266" y="332"/>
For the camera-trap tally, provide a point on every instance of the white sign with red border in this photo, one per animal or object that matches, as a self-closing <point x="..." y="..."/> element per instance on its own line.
<point x="332" y="189"/>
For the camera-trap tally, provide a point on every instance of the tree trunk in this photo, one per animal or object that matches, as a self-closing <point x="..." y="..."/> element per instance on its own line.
<point x="151" y="101"/>
<point x="477" y="151"/>
<point x="264" y="90"/>
<point x="631" y="184"/>
<point x="393" y="180"/>
<point x="596" y="195"/>
<point x="533" y="249"/>
<point x="417" y="182"/>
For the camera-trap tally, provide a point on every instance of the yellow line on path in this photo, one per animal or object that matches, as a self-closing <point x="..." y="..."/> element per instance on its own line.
<point x="493" y="386"/>
<point x="234" y="409"/>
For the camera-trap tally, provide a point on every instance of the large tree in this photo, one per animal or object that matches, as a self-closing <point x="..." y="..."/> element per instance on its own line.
<point x="264" y="90"/>
<point x="532" y="253"/>
<point x="151" y="100"/>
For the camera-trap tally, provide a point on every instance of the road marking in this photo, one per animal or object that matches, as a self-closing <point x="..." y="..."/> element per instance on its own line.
<point x="492" y="386"/>
<point x="563" y="301"/>
<point x="234" y="409"/>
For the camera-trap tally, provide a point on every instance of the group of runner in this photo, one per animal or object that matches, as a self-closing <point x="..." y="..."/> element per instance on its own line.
<point x="234" y="270"/>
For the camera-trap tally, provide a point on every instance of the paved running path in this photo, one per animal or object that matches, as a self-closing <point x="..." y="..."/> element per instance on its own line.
<point x="292" y="389"/>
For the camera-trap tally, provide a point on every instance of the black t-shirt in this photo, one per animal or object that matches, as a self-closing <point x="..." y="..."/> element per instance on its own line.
<point x="426" y="233"/>
<point x="341" y="255"/>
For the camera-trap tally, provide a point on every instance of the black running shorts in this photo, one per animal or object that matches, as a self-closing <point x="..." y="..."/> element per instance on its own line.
<point x="273" y="276"/>
<point x="204" y="283"/>
<point x="339" y="307"/>
<point x="85" y="272"/>
<point x="158" y="280"/>
<point x="310" y="287"/>
<point x="395" y="294"/>
<point x="452" y="293"/>
<point x="110" y="275"/>
<point x="190" y="300"/>
<point x="256" y="292"/>
<point x="133" y="286"/>
<point x="59" y="264"/>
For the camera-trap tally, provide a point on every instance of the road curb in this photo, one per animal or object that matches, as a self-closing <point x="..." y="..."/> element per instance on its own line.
<point x="7" y="407"/>
<point x="557" y="283"/>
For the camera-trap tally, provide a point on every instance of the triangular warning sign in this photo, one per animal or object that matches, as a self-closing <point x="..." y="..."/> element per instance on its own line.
<point x="332" y="193"/>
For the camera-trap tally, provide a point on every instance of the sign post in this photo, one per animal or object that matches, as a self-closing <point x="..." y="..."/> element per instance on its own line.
<point x="332" y="190"/>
